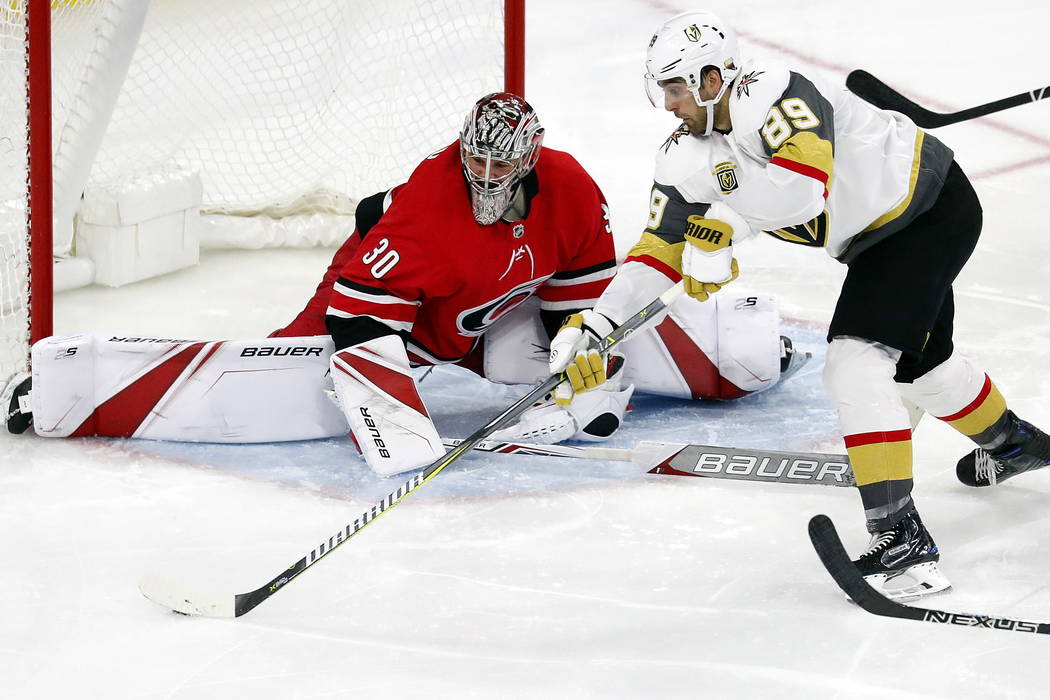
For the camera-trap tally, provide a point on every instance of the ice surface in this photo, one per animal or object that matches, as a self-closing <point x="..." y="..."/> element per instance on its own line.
<point x="520" y="577"/>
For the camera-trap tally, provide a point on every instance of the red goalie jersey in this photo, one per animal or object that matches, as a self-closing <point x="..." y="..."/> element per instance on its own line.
<point x="429" y="272"/>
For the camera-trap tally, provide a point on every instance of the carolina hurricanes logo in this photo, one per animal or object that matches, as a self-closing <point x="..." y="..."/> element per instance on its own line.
<point x="474" y="322"/>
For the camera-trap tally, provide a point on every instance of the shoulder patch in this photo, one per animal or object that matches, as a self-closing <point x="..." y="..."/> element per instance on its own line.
<point x="672" y="140"/>
<point x="755" y="91"/>
<point x="743" y="86"/>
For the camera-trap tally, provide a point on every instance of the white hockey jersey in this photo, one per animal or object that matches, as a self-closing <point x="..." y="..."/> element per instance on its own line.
<point x="806" y="161"/>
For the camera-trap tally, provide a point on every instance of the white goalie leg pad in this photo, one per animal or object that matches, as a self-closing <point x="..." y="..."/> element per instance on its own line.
<point x="748" y="340"/>
<point x="243" y="391"/>
<point x="381" y="402"/>
<point x="721" y="348"/>
<point x="63" y="393"/>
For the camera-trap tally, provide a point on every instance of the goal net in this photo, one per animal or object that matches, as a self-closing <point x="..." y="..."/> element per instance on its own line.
<point x="286" y="113"/>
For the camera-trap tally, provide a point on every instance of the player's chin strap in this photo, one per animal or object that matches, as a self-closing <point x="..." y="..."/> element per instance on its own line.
<point x="710" y="104"/>
<point x="179" y="599"/>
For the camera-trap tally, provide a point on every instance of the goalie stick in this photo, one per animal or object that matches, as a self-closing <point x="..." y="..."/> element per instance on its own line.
<point x="872" y="90"/>
<point x="699" y="460"/>
<point x="168" y="594"/>
<point x="833" y="555"/>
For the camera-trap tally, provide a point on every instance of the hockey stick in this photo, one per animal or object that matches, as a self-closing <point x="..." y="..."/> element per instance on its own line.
<point x="699" y="460"/>
<point x="170" y="595"/>
<point x="833" y="555"/>
<point x="871" y="89"/>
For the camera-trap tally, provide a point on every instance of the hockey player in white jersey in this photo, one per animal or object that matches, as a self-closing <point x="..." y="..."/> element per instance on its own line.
<point x="764" y="148"/>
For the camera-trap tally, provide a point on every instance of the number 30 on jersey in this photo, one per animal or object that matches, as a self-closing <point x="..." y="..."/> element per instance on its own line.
<point x="380" y="259"/>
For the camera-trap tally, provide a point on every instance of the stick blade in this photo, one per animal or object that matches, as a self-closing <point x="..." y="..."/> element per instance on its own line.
<point x="826" y="542"/>
<point x="875" y="92"/>
<point x="168" y="594"/>
<point x="872" y="90"/>
<point x="861" y="82"/>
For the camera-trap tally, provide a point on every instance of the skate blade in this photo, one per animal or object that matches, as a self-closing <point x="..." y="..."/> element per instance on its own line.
<point x="919" y="581"/>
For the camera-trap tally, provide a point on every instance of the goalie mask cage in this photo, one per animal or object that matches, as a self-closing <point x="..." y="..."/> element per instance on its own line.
<point x="290" y="111"/>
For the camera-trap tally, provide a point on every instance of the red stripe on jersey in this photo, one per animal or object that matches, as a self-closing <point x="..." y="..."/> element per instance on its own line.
<point x="572" y="292"/>
<point x="394" y="383"/>
<point x="402" y="312"/>
<point x="658" y="265"/>
<point x="858" y="439"/>
<point x="121" y="414"/>
<point x="700" y="374"/>
<point x="803" y="169"/>
<point x="986" y="389"/>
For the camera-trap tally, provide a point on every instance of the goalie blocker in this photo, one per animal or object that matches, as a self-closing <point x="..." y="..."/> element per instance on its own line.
<point x="273" y="390"/>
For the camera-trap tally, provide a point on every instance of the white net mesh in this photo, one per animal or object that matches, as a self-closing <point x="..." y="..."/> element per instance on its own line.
<point x="286" y="108"/>
<point x="14" y="321"/>
<point x="306" y="105"/>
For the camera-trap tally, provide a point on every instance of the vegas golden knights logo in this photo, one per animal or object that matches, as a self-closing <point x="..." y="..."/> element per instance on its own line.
<point x="813" y="233"/>
<point x="692" y="33"/>
<point x="725" y="173"/>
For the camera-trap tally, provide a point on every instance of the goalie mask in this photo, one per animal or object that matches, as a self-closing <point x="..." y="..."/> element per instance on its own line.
<point x="499" y="145"/>
<point x="682" y="48"/>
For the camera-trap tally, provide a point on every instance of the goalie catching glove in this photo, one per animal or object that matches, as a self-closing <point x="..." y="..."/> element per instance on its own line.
<point x="707" y="257"/>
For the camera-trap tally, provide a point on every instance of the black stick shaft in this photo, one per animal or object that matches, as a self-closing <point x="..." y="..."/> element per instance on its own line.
<point x="244" y="602"/>
<point x="872" y="90"/>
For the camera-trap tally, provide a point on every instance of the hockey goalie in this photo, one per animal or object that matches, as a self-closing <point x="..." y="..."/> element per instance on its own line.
<point x="478" y="259"/>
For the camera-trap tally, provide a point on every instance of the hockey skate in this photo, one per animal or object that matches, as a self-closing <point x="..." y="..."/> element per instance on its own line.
<point x="15" y="400"/>
<point x="901" y="563"/>
<point x="1026" y="447"/>
<point x="791" y="359"/>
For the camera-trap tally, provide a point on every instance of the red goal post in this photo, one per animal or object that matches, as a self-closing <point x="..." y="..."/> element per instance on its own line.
<point x="283" y="111"/>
